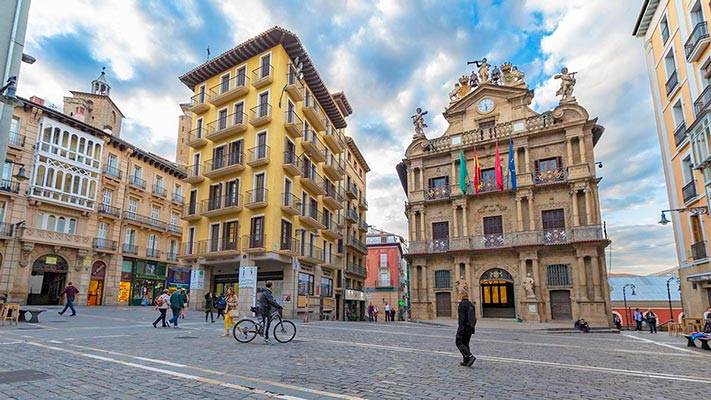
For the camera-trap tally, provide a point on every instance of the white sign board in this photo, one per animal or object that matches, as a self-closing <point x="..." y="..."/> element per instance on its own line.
<point x="197" y="279"/>
<point x="247" y="277"/>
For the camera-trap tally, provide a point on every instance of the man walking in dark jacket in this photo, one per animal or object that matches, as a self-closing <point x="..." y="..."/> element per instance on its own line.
<point x="71" y="293"/>
<point x="176" y="304"/>
<point x="467" y="322"/>
<point x="267" y="305"/>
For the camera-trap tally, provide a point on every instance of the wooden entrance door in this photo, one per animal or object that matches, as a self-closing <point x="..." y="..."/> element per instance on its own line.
<point x="444" y="304"/>
<point x="560" y="305"/>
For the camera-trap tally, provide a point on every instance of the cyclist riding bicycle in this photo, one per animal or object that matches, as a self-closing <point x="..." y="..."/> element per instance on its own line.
<point x="267" y="305"/>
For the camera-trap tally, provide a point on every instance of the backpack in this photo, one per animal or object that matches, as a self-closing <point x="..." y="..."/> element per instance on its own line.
<point x="159" y="301"/>
<point x="223" y="302"/>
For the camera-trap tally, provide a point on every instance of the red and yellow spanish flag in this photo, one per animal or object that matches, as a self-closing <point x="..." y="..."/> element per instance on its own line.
<point x="477" y="173"/>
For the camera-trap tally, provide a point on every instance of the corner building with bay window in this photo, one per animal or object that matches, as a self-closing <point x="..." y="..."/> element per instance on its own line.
<point x="548" y="227"/>
<point x="273" y="181"/>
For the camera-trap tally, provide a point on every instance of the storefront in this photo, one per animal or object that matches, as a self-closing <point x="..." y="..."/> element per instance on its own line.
<point x="178" y="278"/>
<point x="355" y="305"/>
<point x="48" y="279"/>
<point x="124" y="294"/>
<point x="147" y="281"/>
<point x="222" y="282"/>
<point x="96" y="285"/>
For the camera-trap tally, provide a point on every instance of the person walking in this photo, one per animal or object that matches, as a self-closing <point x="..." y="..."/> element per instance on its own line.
<point x="387" y="312"/>
<point x="184" y="298"/>
<point x="375" y="313"/>
<point x="71" y="293"/>
<point x="162" y="305"/>
<point x="220" y="305"/>
<point x="209" y="306"/>
<point x="638" y="318"/>
<point x="370" y="312"/>
<point x="176" y="305"/>
<point x="231" y="310"/>
<point x="267" y="305"/>
<point x="651" y="318"/>
<point x="465" y="329"/>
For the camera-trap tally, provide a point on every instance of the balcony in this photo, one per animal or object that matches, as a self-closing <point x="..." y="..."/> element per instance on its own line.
<point x="362" y="203"/>
<point x="293" y="85"/>
<point x="175" y="229"/>
<point x="137" y="182"/>
<point x="697" y="42"/>
<point x="144" y="220"/>
<point x="672" y="82"/>
<point x="229" y="90"/>
<point x="198" y="105"/>
<point x="698" y="250"/>
<point x="688" y="192"/>
<point x="52" y="238"/>
<point x="261" y="114"/>
<point x="334" y="139"/>
<point x="357" y="245"/>
<point x="223" y="165"/>
<point x="262" y="76"/>
<point x="557" y="175"/>
<point x="293" y="124"/>
<point x="196" y="137"/>
<point x="311" y="217"/>
<point x="159" y="191"/>
<point x="112" y="172"/>
<point x="332" y="260"/>
<point x="109" y="210"/>
<point x="218" y="247"/>
<point x="290" y="204"/>
<point x="256" y="198"/>
<point x="289" y="246"/>
<point x="178" y="198"/>
<point x="312" y="181"/>
<point x="129" y="248"/>
<point x="702" y="102"/>
<point x="254" y="243"/>
<point x="226" y="126"/>
<point x="333" y="167"/>
<point x="102" y="244"/>
<point x="313" y="112"/>
<point x="353" y="193"/>
<point x="194" y="174"/>
<point x="258" y="156"/>
<point x="188" y="250"/>
<point x="230" y="204"/>
<point x="330" y="229"/>
<point x="310" y="253"/>
<point x="333" y="198"/>
<point x="16" y="140"/>
<point x="190" y="212"/>
<point x="312" y="146"/>
<point x="292" y="163"/>
<point x="11" y="186"/>
<point x="356" y="270"/>
<point x="385" y="283"/>
<point x="6" y="229"/>
<point x="362" y="226"/>
<point x="172" y="256"/>
<point x="352" y="216"/>
<point x="680" y="134"/>
<point x="153" y="253"/>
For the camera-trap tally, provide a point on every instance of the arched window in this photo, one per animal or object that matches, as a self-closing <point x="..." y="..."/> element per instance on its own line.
<point x="61" y="222"/>
<point x="59" y="181"/>
<point x="72" y="226"/>
<point x="113" y="117"/>
<point x="76" y="185"/>
<point x="51" y="223"/>
<point x="49" y="182"/>
<point x="92" y="190"/>
<point x="84" y="186"/>
<point x="39" y="179"/>
<point x="67" y="183"/>
<point x="65" y="139"/>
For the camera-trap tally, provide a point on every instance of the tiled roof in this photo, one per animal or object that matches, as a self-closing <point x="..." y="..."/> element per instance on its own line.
<point x="647" y="288"/>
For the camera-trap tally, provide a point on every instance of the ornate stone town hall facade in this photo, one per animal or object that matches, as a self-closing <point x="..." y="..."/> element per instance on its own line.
<point x="532" y="246"/>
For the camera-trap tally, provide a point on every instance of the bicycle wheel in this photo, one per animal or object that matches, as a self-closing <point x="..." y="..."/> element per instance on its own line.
<point x="284" y="331"/>
<point x="244" y="331"/>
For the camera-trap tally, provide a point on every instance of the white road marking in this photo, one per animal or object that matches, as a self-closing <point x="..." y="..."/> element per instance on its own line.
<point x="15" y="342"/>
<point x="661" y="344"/>
<point x="615" y="371"/>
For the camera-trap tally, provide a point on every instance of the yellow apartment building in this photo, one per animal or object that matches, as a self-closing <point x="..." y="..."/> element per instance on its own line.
<point x="267" y="177"/>
<point x="676" y="46"/>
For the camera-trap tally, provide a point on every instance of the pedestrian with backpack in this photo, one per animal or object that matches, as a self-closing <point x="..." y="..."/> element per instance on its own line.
<point x="221" y="305"/>
<point x="209" y="306"/>
<point x="162" y="305"/>
<point x="176" y="305"/>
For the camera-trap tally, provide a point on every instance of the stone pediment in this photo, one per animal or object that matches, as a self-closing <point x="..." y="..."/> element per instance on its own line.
<point x="519" y="95"/>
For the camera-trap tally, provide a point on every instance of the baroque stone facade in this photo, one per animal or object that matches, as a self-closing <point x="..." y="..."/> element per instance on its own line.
<point x="524" y="238"/>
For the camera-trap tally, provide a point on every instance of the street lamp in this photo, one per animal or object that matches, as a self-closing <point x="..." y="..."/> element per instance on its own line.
<point x="298" y="73"/>
<point x="624" y="296"/>
<point x="20" y="176"/>
<point x="671" y="278"/>
<point x="693" y="210"/>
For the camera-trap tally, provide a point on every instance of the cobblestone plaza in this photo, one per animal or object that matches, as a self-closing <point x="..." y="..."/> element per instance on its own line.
<point x="114" y="353"/>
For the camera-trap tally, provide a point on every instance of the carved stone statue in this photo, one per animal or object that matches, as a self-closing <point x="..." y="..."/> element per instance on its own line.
<point x="419" y="122"/>
<point x="496" y="76"/>
<point x="528" y="285"/>
<point x="473" y="80"/>
<point x="567" y="84"/>
<point x="483" y="69"/>
<point x="454" y="94"/>
<point x="462" y="286"/>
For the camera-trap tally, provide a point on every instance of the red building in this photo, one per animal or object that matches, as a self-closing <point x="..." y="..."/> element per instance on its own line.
<point x="385" y="281"/>
<point x="645" y="292"/>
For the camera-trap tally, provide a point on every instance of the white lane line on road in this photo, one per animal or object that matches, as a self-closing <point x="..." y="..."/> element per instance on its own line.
<point x="661" y="344"/>
<point x="171" y="373"/>
<point x="226" y="374"/>
<point x="15" y="342"/>
<point x="615" y="371"/>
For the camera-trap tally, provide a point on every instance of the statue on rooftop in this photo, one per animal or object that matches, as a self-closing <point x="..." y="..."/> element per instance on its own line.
<point x="483" y="69"/>
<point x="419" y="121"/>
<point x="567" y="84"/>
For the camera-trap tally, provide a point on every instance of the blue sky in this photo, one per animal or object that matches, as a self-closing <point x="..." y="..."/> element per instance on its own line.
<point x="389" y="57"/>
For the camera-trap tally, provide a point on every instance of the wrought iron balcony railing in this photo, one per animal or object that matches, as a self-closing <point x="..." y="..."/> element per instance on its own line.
<point x="689" y="191"/>
<point x="702" y="101"/>
<point x="554" y="176"/>
<point x="129" y="248"/>
<point x="699" y="33"/>
<point x="112" y="171"/>
<point x="178" y="198"/>
<point x="142" y="219"/>
<point x="10" y="185"/>
<point x="680" y="134"/>
<point x="109" y="210"/>
<point x="672" y="82"/>
<point x="17" y="140"/>
<point x="436" y="193"/>
<point x="153" y="253"/>
<point x="104" y="244"/>
<point x="6" y="229"/>
<point x="160" y="191"/>
<point x="133" y="180"/>
<point x="356" y="269"/>
<point x="698" y="250"/>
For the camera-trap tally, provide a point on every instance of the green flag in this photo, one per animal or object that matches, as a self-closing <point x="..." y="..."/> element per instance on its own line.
<point x="463" y="175"/>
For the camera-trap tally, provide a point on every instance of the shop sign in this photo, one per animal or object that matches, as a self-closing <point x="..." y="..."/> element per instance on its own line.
<point x="247" y="277"/>
<point x="197" y="279"/>
<point x="355" y="295"/>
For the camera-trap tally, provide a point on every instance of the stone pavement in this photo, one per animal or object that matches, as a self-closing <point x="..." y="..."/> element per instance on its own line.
<point x="114" y="353"/>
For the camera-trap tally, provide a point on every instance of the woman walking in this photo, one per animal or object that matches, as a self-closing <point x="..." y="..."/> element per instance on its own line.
<point x="162" y="305"/>
<point x="231" y="311"/>
<point x="651" y="321"/>
<point x="185" y="303"/>
<point x="209" y="306"/>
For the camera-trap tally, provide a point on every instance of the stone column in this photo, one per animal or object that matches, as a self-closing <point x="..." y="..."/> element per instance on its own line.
<point x="425" y="290"/>
<point x="588" y="207"/>
<point x="423" y="233"/>
<point x="574" y="199"/>
<point x="595" y="266"/>
<point x="414" y="284"/>
<point x="531" y="220"/>
<point x="465" y="222"/>
<point x="582" y="280"/>
<point x="455" y="175"/>
<point x="526" y="160"/>
<point x="536" y="278"/>
<point x="581" y="140"/>
<point x="468" y="276"/>
<point x="422" y="179"/>
<point x="569" y="148"/>
<point x="455" y="224"/>
<point x="519" y="215"/>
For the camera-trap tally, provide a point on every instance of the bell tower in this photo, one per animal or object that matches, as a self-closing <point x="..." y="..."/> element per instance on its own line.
<point x="96" y="107"/>
<point x="99" y="86"/>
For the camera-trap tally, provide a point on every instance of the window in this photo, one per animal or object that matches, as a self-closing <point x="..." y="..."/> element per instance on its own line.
<point x="259" y="193"/>
<point x="261" y="145"/>
<point x="265" y="69"/>
<point x="112" y="163"/>
<point x="670" y="66"/>
<point x="290" y="113"/>
<point x="152" y="241"/>
<point x="159" y="181"/>
<point x="198" y="128"/>
<point x="235" y="152"/>
<point x="687" y="169"/>
<point x="256" y="238"/>
<point x="263" y="109"/>
<point x="191" y="240"/>
<point x="230" y="239"/>
<point x="155" y="213"/>
<point x="238" y="118"/>
<point x="326" y="287"/>
<point x="697" y="14"/>
<point x="664" y="29"/>
<point x="306" y="284"/>
<point x="132" y="207"/>
<point x="103" y="230"/>
<point x="224" y="83"/>
<point x="130" y="237"/>
<point x="222" y="119"/>
<point x="493" y="225"/>
<point x="440" y="236"/>
<point x="174" y="217"/>
<point x="286" y="229"/>
<point x="107" y="197"/>
<point x="137" y="172"/>
<point x="553" y="219"/>
<point x="439" y="182"/>
<point x="173" y="249"/>
<point x="232" y="193"/>
<point x="558" y="275"/>
<point x="384" y="260"/>
<point x="178" y="190"/>
<point x="442" y="280"/>
<point x="488" y="179"/>
<point x="241" y="75"/>
<point x="201" y="94"/>
<point x="14" y="127"/>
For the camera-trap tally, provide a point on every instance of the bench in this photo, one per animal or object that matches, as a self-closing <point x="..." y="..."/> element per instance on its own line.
<point x="34" y="312"/>
<point x="704" y="342"/>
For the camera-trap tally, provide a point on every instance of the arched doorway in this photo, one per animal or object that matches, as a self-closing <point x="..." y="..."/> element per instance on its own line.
<point x="48" y="278"/>
<point x="497" y="294"/>
<point x="96" y="285"/>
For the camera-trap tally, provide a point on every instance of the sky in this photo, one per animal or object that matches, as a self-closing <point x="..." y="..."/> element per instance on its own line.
<point x="389" y="57"/>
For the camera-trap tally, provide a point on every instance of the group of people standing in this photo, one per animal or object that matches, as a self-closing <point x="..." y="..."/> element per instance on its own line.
<point x="373" y="312"/>
<point x="650" y="317"/>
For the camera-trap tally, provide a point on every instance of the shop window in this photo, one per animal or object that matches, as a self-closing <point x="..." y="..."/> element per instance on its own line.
<point x="306" y="284"/>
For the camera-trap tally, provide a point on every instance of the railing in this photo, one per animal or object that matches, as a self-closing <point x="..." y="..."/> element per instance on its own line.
<point x="309" y="250"/>
<point x="390" y="282"/>
<point x="353" y="189"/>
<point x="333" y="161"/>
<point x="112" y="171"/>
<point x="436" y="193"/>
<point x="357" y="244"/>
<point x="335" y="133"/>
<point x="702" y="101"/>
<point x="160" y="191"/>
<point x="290" y="158"/>
<point x="130" y="249"/>
<point x="509" y="239"/>
<point x="289" y="200"/>
<point x="6" y="229"/>
<point x="188" y="248"/>
<point x="218" y="244"/>
<point x="190" y="209"/>
<point x="199" y="133"/>
<point x="104" y="244"/>
<point x="258" y="153"/>
<point x="253" y="241"/>
<point x="700" y="32"/>
<point x="289" y="244"/>
<point x="175" y="228"/>
<point x="136" y="181"/>
<point x="172" y="256"/>
<point x="110" y="210"/>
<point x="178" y="198"/>
<point x="227" y="160"/>
<point x="193" y="171"/>
<point x="363" y="203"/>
<point x="363" y="225"/>
<point x="680" y="133"/>
<point x="198" y="99"/>
<point x="543" y="177"/>
<point x="262" y="72"/>
<point x="142" y="219"/>
<point x="311" y="174"/>
<point x="356" y="269"/>
<point x="17" y="140"/>
<point x="310" y="102"/>
<point x="329" y="223"/>
<point x="352" y="214"/>
<point x="672" y="82"/>
<point x="698" y="250"/>
<point x="223" y="87"/>
<point x="218" y="203"/>
<point x="256" y="195"/>
<point x="292" y="118"/>
<point x="261" y="111"/>
<point x="310" y="137"/>
<point x="311" y="212"/>
<point x="331" y="191"/>
<point x="228" y="121"/>
<point x="8" y="185"/>
<point x="153" y="253"/>
<point x="689" y="191"/>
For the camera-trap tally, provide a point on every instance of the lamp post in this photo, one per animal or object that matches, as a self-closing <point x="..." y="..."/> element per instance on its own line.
<point x="671" y="278"/>
<point x="693" y="210"/>
<point x="624" y="296"/>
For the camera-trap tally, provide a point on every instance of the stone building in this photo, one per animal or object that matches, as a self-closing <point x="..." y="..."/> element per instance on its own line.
<point x="524" y="239"/>
<point x="386" y="281"/>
